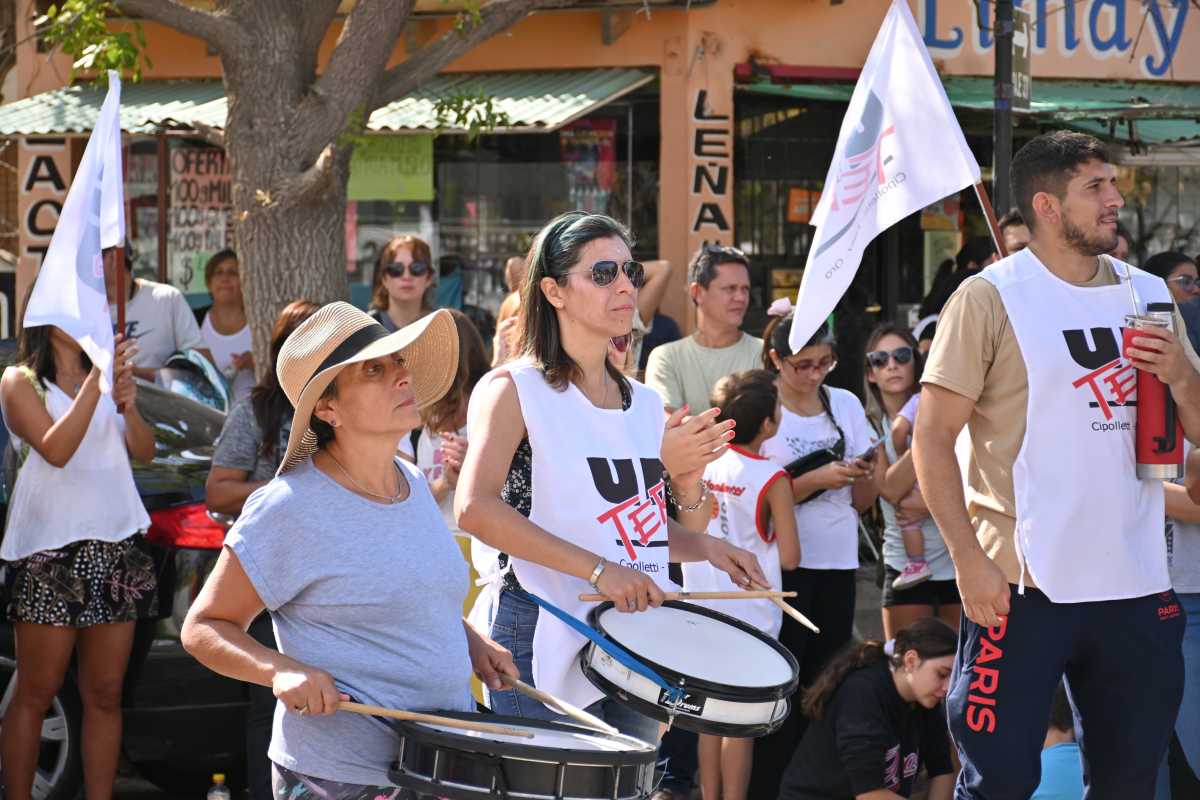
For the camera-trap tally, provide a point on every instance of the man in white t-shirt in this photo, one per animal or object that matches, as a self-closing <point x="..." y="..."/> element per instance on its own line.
<point x="684" y="372"/>
<point x="159" y="317"/>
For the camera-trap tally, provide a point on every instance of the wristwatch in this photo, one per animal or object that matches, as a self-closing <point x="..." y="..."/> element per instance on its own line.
<point x="596" y="573"/>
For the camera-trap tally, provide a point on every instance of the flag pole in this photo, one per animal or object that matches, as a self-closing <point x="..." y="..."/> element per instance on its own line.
<point x="119" y="263"/>
<point x="993" y="225"/>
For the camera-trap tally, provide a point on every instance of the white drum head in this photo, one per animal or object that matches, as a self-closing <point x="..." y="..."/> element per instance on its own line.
<point x="698" y="646"/>
<point x="553" y="739"/>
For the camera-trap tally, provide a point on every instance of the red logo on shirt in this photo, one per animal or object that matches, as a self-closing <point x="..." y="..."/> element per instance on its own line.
<point x="636" y="516"/>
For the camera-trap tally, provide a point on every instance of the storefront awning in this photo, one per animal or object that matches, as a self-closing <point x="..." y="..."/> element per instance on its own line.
<point x="531" y="101"/>
<point x="1128" y="111"/>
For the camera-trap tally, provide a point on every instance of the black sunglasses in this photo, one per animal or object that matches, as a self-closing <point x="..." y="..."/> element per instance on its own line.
<point x="416" y="269"/>
<point x="605" y="272"/>
<point x="878" y="359"/>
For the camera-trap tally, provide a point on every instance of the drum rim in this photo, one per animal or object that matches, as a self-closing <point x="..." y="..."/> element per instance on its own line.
<point x="646" y="753"/>
<point x="716" y="690"/>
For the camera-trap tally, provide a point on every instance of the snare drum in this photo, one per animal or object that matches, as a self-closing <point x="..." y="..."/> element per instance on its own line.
<point x="562" y="761"/>
<point x="736" y="679"/>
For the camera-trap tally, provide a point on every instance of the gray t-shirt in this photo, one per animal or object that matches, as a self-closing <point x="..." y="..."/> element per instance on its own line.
<point x="370" y="593"/>
<point x="684" y="373"/>
<point x="240" y="443"/>
<point x="161" y="320"/>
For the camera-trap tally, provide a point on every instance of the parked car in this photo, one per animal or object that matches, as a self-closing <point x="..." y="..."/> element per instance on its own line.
<point x="182" y="721"/>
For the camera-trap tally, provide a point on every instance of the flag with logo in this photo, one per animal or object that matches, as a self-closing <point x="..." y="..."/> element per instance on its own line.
<point x="68" y="291"/>
<point x="900" y="149"/>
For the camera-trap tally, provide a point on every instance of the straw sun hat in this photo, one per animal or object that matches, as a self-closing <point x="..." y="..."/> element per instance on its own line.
<point x="338" y="335"/>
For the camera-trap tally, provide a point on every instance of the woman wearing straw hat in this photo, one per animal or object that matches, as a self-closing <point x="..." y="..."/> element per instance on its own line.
<point x="565" y="475"/>
<point x="348" y="551"/>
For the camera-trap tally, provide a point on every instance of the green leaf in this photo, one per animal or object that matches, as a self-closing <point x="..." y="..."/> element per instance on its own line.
<point x="80" y="28"/>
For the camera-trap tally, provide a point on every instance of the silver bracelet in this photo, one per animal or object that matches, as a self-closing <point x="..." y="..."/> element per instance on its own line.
<point x="699" y="501"/>
<point x="596" y="573"/>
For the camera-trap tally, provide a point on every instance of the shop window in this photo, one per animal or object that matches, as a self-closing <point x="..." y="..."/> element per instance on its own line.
<point x="141" y="196"/>
<point x="199" y="212"/>
<point x="1162" y="208"/>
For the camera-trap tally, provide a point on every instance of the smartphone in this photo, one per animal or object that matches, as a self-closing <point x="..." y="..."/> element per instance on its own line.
<point x="869" y="453"/>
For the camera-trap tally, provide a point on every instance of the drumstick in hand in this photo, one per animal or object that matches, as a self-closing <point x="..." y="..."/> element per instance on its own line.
<point x="561" y="706"/>
<point x="433" y="719"/>
<point x="736" y="595"/>
<point x="791" y="612"/>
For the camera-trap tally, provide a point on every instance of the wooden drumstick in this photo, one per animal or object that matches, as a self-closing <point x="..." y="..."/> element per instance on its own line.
<point x="793" y="613"/>
<point x="742" y="595"/>
<point x="433" y="719"/>
<point x="561" y="706"/>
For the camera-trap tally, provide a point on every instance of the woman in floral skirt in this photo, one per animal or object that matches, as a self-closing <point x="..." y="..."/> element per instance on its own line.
<point x="77" y="579"/>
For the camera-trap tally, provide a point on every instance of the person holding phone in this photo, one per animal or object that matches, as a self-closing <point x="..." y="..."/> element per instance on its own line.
<point x="823" y="432"/>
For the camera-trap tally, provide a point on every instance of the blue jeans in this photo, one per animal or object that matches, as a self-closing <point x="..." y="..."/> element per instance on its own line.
<point x="512" y="627"/>
<point x="1187" y="725"/>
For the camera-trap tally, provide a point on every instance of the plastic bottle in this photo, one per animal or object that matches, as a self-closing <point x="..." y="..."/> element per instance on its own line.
<point x="219" y="791"/>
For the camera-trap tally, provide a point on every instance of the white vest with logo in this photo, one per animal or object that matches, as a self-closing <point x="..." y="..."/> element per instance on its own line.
<point x="739" y="481"/>
<point x="1087" y="528"/>
<point x="597" y="483"/>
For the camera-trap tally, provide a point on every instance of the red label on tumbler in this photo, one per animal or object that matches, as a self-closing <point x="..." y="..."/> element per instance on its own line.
<point x="1159" y="443"/>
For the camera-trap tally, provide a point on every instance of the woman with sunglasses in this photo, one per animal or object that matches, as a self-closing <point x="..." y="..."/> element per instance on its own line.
<point x="891" y="380"/>
<point x="564" y="475"/>
<point x="816" y="419"/>
<point x="1179" y="271"/>
<point x="404" y="283"/>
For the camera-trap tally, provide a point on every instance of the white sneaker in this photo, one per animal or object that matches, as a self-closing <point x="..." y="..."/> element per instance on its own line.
<point x="914" y="572"/>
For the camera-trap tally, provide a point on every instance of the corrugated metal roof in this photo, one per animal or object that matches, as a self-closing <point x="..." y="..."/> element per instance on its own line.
<point x="1160" y="112"/>
<point x="74" y="109"/>
<point x="533" y="101"/>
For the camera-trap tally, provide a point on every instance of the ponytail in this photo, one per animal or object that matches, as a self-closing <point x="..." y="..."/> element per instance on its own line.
<point x="929" y="637"/>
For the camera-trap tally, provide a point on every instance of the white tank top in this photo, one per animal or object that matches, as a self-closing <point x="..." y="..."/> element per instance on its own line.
<point x="1087" y="529"/>
<point x="597" y="483"/>
<point x="92" y="497"/>
<point x="739" y="481"/>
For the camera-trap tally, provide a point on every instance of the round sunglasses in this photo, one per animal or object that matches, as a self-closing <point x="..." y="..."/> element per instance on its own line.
<point x="605" y="272"/>
<point x="416" y="269"/>
<point x="879" y="358"/>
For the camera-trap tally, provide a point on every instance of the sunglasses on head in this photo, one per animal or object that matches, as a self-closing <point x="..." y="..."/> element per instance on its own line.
<point x="416" y="269"/>
<point x="879" y="358"/>
<point x="605" y="272"/>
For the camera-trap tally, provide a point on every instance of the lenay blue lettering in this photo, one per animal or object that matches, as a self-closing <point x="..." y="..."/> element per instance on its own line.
<point x="1168" y="41"/>
<point x="1116" y="40"/>
<point x="930" y="33"/>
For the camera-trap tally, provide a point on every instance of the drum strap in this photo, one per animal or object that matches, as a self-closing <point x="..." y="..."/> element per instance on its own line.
<point x="673" y="694"/>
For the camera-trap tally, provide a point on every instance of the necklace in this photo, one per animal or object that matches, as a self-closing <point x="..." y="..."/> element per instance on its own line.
<point x="389" y="498"/>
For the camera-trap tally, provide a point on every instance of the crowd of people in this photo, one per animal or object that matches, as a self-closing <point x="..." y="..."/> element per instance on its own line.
<point x="1025" y="588"/>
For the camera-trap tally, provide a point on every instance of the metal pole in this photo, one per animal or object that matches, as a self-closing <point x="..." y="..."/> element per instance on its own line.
<point x="1002" y="114"/>
<point x="629" y="167"/>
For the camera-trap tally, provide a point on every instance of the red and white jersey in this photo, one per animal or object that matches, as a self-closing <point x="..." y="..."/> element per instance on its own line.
<point x="739" y="481"/>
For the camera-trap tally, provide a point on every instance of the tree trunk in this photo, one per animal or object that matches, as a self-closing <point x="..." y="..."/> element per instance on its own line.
<point x="290" y="241"/>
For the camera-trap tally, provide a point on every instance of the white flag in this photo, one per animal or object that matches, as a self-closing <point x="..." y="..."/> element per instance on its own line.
<point x="900" y="149"/>
<point x="69" y="289"/>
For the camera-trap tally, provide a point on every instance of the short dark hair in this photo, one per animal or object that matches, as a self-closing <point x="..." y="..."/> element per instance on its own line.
<point x="703" y="266"/>
<point x="1163" y="264"/>
<point x="1009" y="220"/>
<point x="210" y="267"/>
<point x="1061" y="716"/>
<point x="1047" y="163"/>
<point x="976" y="250"/>
<point x="749" y="399"/>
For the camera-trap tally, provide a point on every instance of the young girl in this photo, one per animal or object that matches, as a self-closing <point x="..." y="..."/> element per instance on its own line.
<point x="917" y="569"/>
<point x="753" y="511"/>
<point x="829" y="499"/>
<point x="877" y="717"/>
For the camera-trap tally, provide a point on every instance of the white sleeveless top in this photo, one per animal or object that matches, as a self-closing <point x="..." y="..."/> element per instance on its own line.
<point x="739" y="481"/>
<point x="92" y="497"/>
<point x="224" y="347"/>
<point x="1087" y="529"/>
<point x="597" y="483"/>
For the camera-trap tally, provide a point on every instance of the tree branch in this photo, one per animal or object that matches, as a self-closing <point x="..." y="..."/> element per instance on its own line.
<point x="216" y="28"/>
<point x="313" y="181"/>
<point x="401" y="80"/>
<point x="362" y="52"/>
